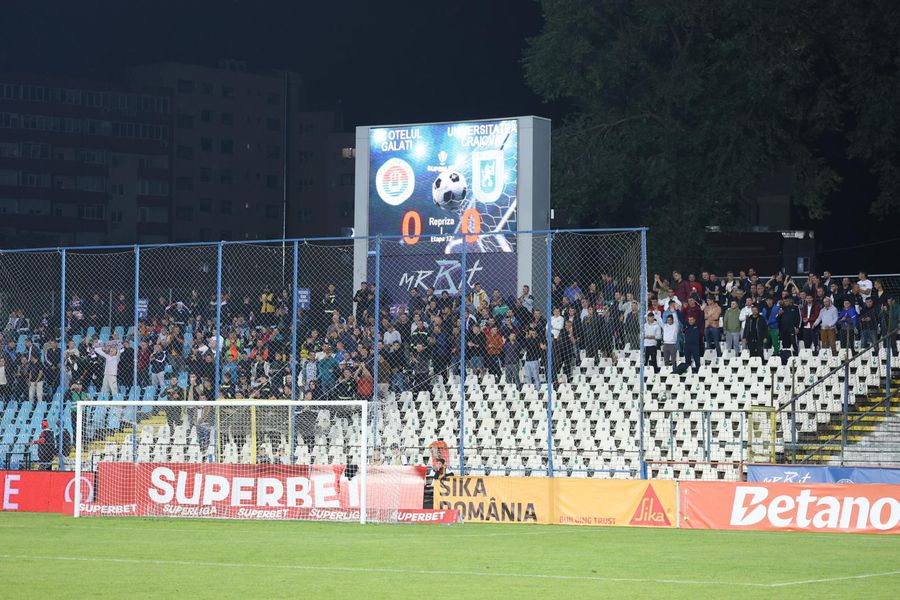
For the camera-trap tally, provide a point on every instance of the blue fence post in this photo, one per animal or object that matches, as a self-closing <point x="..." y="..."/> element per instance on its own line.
<point x="549" y="340"/>
<point x="462" y="358"/>
<point x="62" y="362"/>
<point x="135" y="343"/>
<point x="218" y="353"/>
<point x="295" y="307"/>
<point x="376" y="354"/>
<point x="642" y="321"/>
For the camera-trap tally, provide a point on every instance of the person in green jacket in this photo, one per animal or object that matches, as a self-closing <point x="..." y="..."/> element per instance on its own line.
<point x="76" y="394"/>
<point x="733" y="328"/>
<point x="893" y="310"/>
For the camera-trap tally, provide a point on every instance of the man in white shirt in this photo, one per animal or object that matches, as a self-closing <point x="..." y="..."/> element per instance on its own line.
<point x="865" y="284"/>
<point x="827" y="323"/>
<point x="111" y="356"/>
<point x="670" y="338"/>
<point x="746" y="311"/>
<point x="391" y="336"/>
<point x="652" y="334"/>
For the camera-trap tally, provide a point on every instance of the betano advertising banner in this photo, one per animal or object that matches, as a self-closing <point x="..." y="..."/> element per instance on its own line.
<point x="319" y="492"/>
<point x="821" y="474"/>
<point x="790" y="507"/>
<point x="564" y="501"/>
<point x="42" y="491"/>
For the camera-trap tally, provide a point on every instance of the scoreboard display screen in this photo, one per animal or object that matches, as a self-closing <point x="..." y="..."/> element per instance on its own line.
<point x="430" y="182"/>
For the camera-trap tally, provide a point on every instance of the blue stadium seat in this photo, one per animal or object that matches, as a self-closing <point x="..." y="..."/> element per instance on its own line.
<point x="183" y="379"/>
<point x="91" y="331"/>
<point x="105" y="332"/>
<point x="77" y="339"/>
<point x="119" y="331"/>
<point x="20" y="344"/>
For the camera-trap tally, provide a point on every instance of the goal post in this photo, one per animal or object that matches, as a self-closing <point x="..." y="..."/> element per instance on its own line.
<point x="250" y="459"/>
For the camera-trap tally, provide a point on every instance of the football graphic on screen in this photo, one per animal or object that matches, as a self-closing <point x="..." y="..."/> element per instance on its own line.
<point x="449" y="190"/>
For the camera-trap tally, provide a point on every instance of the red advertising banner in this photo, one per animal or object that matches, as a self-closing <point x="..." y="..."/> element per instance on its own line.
<point x="790" y="507"/>
<point x="42" y="491"/>
<point x="319" y="492"/>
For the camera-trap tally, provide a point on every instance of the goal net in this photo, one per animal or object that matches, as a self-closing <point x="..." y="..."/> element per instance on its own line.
<point x="239" y="459"/>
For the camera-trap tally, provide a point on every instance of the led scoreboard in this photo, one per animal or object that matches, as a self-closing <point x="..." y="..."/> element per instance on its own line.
<point x="434" y="190"/>
<point x="428" y="182"/>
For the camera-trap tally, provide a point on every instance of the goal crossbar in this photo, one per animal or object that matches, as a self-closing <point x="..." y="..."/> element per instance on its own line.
<point x="224" y="403"/>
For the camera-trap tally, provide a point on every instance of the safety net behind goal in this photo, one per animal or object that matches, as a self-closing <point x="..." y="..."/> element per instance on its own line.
<point x="238" y="459"/>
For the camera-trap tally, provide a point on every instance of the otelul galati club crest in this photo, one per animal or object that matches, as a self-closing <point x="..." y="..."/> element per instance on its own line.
<point x="487" y="175"/>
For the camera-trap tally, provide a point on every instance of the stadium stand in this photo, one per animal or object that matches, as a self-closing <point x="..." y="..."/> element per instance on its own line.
<point x="740" y="404"/>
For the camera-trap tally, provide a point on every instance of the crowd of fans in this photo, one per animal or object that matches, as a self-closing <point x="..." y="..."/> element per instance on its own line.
<point x="178" y="345"/>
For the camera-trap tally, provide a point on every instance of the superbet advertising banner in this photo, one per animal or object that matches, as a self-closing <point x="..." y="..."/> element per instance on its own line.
<point x="867" y="508"/>
<point x="430" y="182"/>
<point x="42" y="491"/>
<point x="317" y="492"/>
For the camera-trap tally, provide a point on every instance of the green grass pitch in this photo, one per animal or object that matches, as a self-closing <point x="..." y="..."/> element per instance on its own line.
<point x="52" y="556"/>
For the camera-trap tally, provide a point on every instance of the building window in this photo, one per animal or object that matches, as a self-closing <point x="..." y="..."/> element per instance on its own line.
<point x="273" y="152"/>
<point x="227" y="91"/>
<point x="185" y="86"/>
<point x="205" y="174"/>
<point x="272" y="182"/>
<point x="184" y="213"/>
<point x="185" y="152"/>
<point x="204" y="205"/>
<point x="348" y="152"/>
<point x="227" y="119"/>
<point x="206" y="116"/>
<point x="225" y="207"/>
<point x="184" y="184"/>
<point x="273" y="123"/>
<point x="226" y="177"/>
<point x="227" y="146"/>
<point x="207" y="88"/>
<point x="91" y="183"/>
<point x="185" y="121"/>
<point x="35" y="180"/>
<point x="91" y="212"/>
<point x="206" y="144"/>
<point x="273" y="97"/>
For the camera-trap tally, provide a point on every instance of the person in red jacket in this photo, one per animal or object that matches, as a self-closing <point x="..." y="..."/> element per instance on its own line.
<point x="681" y="287"/>
<point x="692" y="309"/>
<point x="46" y="444"/>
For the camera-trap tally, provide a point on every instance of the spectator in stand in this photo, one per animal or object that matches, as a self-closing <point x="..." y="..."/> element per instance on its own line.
<point x="397" y="458"/>
<point x="869" y="319"/>
<point x="391" y="335"/>
<point x="789" y="321"/>
<point x="670" y="334"/>
<point x="733" y="325"/>
<point x="557" y="321"/>
<point x="494" y="348"/>
<point x="35" y="379"/>
<point x="158" y="362"/>
<point x="847" y="320"/>
<point x="652" y="335"/>
<point x="396" y="361"/>
<point x="478" y="298"/>
<point x="770" y="313"/>
<point x="693" y="338"/>
<point x="527" y="299"/>
<point x="756" y="331"/>
<point x="865" y="284"/>
<point x="365" y="301"/>
<point x="173" y="393"/>
<point x="712" y="312"/>
<point x="46" y="444"/>
<point x="4" y="383"/>
<point x="566" y="351"/>
<point x="534" y="354"/>
<point x="809" y="314"/>
<point x="893" y="322"/>
<point x="682" y="288"/>
<point x="512" y="355"/>
<point x="111" y="369"/>
<point x="827" y="321"/>
<point x="476" y="349"/>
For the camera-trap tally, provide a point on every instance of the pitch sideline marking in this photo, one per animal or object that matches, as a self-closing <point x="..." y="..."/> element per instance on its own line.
<point x="831" y="579"/>
<point x="191" y="563"/>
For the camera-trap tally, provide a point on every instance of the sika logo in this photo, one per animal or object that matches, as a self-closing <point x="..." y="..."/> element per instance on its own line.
<point x="442" y="157"/>
<point x="650" y="511"/>
<point x="394" y="181"/>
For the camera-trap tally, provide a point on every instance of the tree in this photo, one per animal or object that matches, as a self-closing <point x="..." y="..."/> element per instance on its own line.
<point x="680" y="109"/>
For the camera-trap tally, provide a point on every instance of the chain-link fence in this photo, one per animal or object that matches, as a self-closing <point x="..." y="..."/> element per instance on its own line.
<point x="542" y="354"/>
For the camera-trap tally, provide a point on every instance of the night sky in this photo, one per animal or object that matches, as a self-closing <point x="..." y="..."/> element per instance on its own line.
<point x="376" y="62"/>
